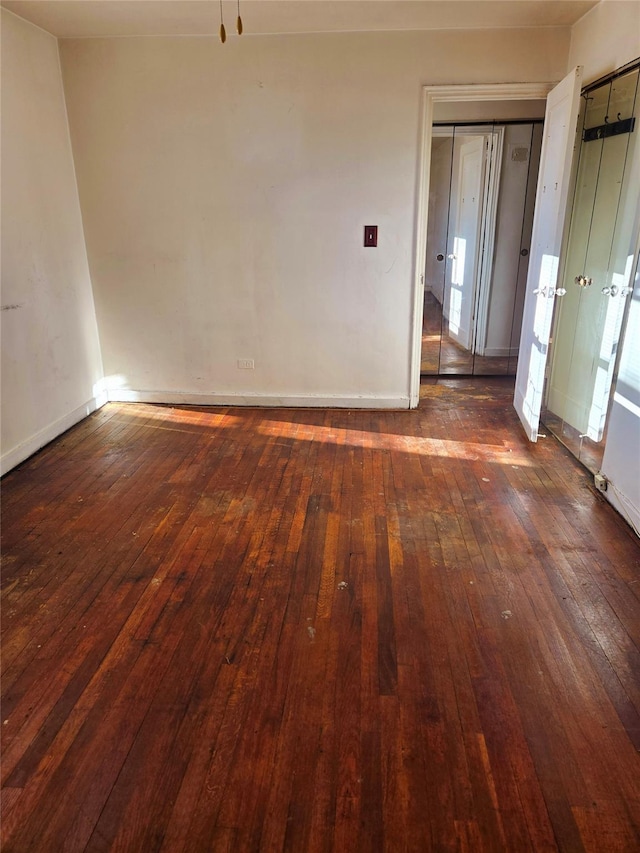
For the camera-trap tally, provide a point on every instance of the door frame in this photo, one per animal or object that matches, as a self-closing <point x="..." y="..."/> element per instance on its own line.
<point x="432" y="95"/>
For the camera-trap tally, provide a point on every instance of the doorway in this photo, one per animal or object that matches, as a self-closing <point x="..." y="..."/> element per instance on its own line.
<point x="497" y="97"/>
<point x="481" y="199"/>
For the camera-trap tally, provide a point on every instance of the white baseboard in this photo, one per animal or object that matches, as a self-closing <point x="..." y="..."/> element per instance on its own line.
<point x="499" y="352"/>
<point x="28" y="447"/>
<point x="624" y="506"/>
<point x="120" y="395"/>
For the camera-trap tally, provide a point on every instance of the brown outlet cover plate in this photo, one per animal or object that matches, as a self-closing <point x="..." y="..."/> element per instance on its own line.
<point x="371" y="235"/>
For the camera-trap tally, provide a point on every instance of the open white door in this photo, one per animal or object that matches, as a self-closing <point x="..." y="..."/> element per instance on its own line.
<point x="560" y="123"/>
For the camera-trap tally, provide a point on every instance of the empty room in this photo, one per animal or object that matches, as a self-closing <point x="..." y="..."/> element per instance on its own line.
<point x="320" y="428"/>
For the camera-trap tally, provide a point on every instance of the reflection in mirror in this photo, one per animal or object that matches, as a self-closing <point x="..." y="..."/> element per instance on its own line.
<point x="481" y="198"/>
<point x="435" y="266"/>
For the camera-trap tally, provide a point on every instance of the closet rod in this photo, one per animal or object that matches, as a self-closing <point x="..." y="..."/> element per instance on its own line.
<point x="630" y="66"/>
<point x="488" y="123"/>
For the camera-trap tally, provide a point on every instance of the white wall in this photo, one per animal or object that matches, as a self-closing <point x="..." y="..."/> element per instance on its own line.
<point x="607" y="38"/>
<point x="488" y="111"/>
<point x="225" y="188"/>
<point x="621" y="463"/>
<point x="50" y="349"/>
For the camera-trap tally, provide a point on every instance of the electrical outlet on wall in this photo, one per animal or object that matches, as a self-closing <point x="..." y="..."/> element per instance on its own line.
<point x="246" y="363"/>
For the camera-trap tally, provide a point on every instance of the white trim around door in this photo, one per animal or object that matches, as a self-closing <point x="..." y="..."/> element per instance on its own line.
<point x="432" y="95"/>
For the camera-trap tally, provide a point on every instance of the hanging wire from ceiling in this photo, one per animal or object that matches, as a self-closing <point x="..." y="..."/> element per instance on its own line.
<point x="223" y="32"/>
<point x="239" y="26"/>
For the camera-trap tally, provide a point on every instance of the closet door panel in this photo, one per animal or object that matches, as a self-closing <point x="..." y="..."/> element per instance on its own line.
<point x="599" y="260"/>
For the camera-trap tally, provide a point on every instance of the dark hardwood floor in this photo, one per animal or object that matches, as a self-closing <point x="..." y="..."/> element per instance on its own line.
<point x="311" y="630"/>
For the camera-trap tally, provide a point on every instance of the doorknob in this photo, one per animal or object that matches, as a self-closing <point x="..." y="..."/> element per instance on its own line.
<point x="550" y="292"/>
<point x="451" y="257"/>
<point x="614" y="290"/>
<point x="440" y="257"/>
<point x="583" y="281"/>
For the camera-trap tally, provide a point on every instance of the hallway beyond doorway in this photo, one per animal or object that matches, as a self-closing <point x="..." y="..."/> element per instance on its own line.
<point x="442" y="356"/>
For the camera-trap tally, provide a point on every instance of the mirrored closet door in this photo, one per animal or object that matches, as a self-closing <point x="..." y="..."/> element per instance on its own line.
<point x="481" y="197"/>
<point x="597" y="269"/>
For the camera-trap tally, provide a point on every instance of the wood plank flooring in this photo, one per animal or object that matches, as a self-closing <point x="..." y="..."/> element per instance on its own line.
<point x="310" y="630"/>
